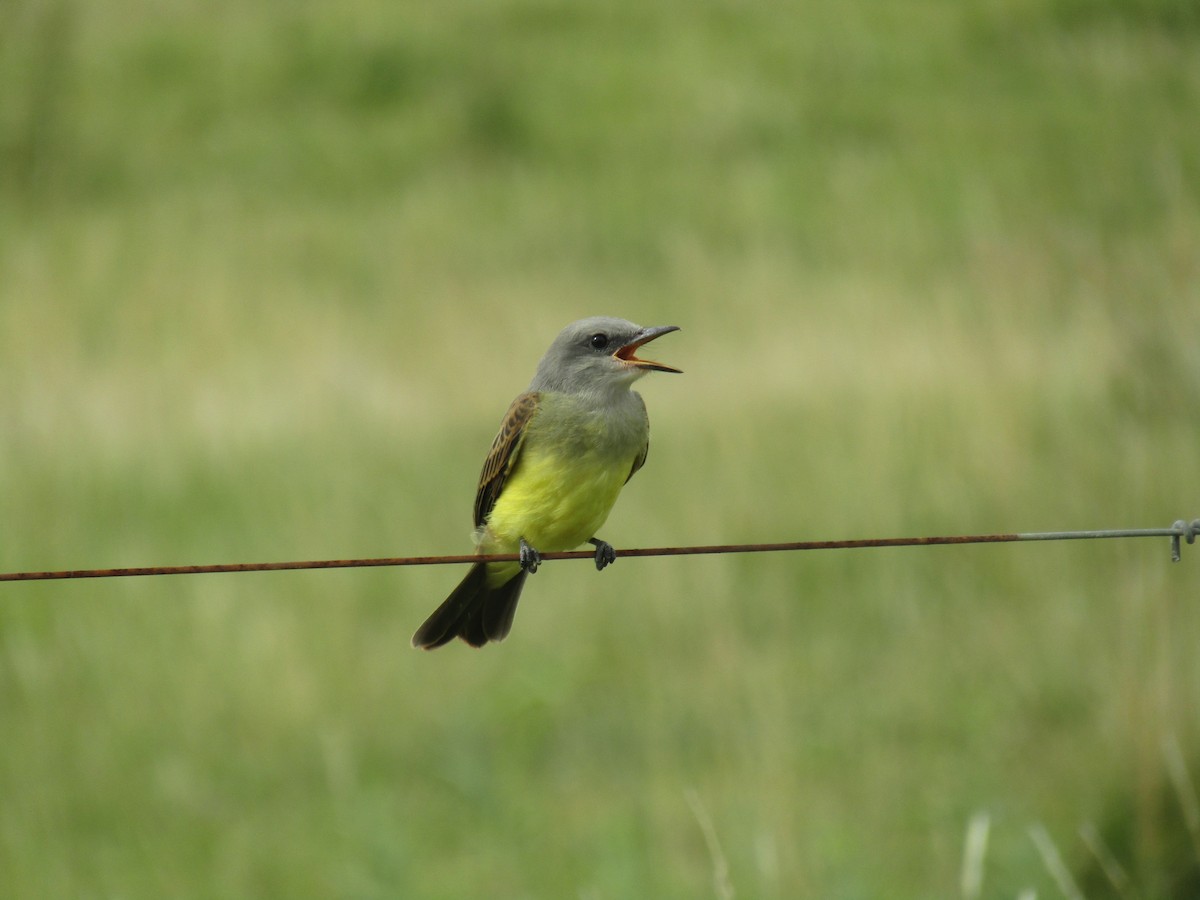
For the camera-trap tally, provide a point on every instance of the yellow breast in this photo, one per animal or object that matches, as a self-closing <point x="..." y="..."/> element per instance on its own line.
<point x="554" y="500"/>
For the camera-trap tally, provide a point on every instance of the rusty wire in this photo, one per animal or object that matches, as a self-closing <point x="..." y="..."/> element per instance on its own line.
<point x="1180" y="530"/>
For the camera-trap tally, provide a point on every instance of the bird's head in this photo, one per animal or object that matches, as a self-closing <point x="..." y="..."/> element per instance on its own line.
<point x="598" y="354"/>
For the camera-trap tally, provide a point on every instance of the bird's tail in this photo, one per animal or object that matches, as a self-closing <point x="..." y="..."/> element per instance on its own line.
<point x="476" y="611"/>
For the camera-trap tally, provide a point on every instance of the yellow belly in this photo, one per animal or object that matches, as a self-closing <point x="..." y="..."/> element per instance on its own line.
<point x="575" y="456"/>
<point x="554" y="502"/>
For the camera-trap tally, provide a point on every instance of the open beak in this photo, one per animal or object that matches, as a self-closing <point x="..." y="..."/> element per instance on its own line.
<point x="626" y="354"/>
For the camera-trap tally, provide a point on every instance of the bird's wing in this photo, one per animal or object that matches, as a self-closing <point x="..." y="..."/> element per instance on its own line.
<point x="641" y="457"/>
<point x="503" y="455"/>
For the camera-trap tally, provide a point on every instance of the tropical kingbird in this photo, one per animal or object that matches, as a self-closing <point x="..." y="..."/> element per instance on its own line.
<point x="565" y="449"/>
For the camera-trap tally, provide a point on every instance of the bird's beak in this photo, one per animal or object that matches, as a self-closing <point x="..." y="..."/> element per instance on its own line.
<point x="626" y="353"/>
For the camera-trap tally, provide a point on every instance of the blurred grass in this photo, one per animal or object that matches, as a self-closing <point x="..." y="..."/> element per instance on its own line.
<point x="269" y="276"/>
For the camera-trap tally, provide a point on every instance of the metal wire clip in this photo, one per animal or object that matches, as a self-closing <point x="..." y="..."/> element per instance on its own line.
<point x="1183" y="529"/>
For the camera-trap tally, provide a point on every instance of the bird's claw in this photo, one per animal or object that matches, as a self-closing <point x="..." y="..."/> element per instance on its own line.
<point x="605" y="553"/>
<point x="530" y="558"/>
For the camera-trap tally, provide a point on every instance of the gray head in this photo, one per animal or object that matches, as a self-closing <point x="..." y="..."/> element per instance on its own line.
<point x="597" y="355"/>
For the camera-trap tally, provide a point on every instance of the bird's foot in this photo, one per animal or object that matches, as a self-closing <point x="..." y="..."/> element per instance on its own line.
<point x="605" y="553"/>
<point x="530" y="558"/>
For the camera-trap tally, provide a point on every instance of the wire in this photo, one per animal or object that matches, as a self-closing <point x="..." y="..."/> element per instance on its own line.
<point x="1180" y="530"/>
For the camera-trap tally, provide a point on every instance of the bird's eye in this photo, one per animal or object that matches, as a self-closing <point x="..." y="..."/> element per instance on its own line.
<point x="600" y="341"/>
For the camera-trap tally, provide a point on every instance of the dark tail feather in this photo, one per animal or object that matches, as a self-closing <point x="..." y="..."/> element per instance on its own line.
<point x="474" y="611"/>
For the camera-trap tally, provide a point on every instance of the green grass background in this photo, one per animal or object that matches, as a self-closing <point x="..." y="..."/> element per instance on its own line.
<point x="269" y="276"/>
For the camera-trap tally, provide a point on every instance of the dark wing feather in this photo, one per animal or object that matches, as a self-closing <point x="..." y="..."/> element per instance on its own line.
<point x="503" y="455"/>
<point x="641" y="457"/>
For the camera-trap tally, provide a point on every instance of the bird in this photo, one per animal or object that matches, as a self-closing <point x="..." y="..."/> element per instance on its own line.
<point x="565" y="448"/>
